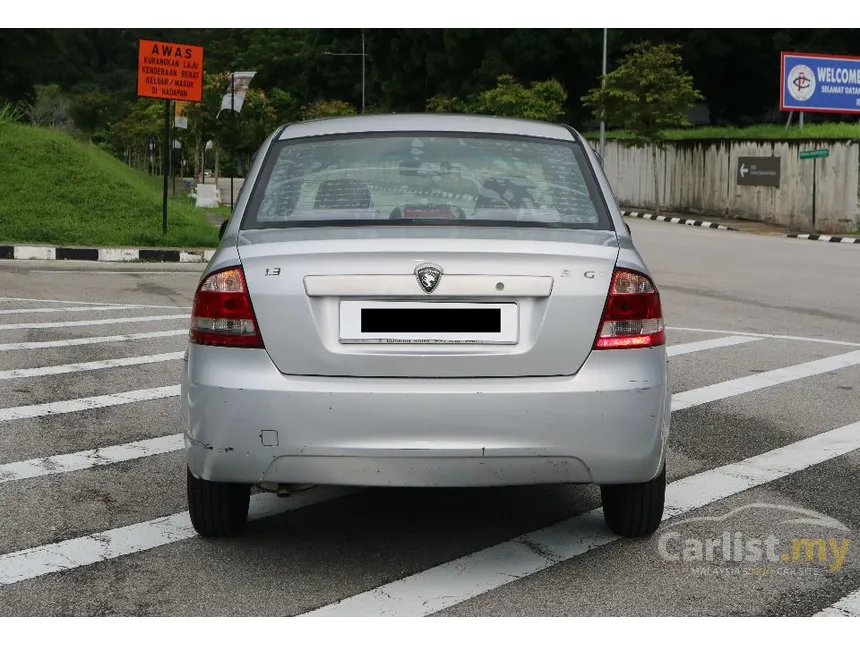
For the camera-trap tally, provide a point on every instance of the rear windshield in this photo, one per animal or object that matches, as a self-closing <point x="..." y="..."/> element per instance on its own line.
<point x="435" y="179"/>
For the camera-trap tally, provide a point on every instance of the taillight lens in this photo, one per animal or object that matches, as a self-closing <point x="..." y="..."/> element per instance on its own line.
<point x="633" y="316"/>
<point x="222" y="313"/>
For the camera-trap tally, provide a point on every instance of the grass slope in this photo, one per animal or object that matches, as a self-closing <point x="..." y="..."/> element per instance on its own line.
<point x="56" y="190"/>
<point x="767" y="132"/>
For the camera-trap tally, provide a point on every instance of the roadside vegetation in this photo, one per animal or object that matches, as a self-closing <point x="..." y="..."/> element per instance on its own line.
<point x="57" y="190"/>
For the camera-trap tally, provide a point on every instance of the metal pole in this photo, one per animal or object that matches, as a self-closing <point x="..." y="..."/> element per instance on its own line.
<point x="801" y="120"/>
<point x="363" y="58"/>
<point x="172" y="144"/>
<point x="814" y="166"/>
<point x="602" y="83"/>
<point x="165" y="161"/>
<point x="232" y="116"/>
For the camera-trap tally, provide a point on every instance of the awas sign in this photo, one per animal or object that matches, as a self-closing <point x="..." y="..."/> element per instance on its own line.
<point x="170" y="71"/>
<point x="820" y="83"/>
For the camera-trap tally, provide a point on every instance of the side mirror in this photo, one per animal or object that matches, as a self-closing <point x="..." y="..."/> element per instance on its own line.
<point x="223" y="228"/>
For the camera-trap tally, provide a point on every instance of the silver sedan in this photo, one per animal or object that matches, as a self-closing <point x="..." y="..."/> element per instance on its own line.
<point x="425" y="300"/>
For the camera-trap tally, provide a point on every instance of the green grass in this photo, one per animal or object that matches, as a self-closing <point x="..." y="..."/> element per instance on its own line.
<point x="56" y="190"/>
<point x="769" y="132"/>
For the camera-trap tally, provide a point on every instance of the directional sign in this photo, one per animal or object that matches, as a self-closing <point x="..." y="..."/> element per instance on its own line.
<point x="815" y="154"/>
<point x="170" y="71"/>
<point x="820" y="83"/>
<point x="758" y="171"/>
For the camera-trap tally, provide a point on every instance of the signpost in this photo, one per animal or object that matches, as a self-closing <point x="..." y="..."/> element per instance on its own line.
<point x="171" y="72"/>
<point x="815" y="155"/>
<point x="820" y="83"/>
<point x="759" y="171"/>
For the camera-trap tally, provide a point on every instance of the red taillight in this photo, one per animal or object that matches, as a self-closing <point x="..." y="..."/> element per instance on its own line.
<point x="222" y="313"/>
<point x="633" y="316"/>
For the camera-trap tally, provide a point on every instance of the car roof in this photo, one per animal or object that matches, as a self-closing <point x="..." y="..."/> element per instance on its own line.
<point x="433" y="122"/>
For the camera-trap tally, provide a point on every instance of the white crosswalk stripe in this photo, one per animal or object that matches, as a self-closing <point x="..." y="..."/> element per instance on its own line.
<point x="93" y="455"/>
<point x="90" y="323"/>
<point x="24" y="565"/>
<point x="849" y="606"/>
<point x="95" y="340"/>
<point x="53" y="310"/>
<point x="52" y="370"/>
<point x="89" y="458"/>
<point x="88" y="403"/>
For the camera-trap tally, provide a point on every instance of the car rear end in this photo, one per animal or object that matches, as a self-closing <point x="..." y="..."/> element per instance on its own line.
<point x="426" y="302"/>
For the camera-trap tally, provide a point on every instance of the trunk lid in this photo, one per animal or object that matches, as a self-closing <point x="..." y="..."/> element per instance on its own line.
<point x="309" y="286"/>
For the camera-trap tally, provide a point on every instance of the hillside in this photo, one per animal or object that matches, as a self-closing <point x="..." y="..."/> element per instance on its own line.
<point x="57" y="190"/>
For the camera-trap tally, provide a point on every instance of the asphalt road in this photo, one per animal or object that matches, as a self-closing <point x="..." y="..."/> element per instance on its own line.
<point x="765" y="346"/>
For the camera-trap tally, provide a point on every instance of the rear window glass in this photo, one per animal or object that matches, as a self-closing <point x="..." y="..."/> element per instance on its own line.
<point x="433" y="179"/>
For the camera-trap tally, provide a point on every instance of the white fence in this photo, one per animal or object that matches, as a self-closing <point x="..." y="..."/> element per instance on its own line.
<point x="701" y="177"/>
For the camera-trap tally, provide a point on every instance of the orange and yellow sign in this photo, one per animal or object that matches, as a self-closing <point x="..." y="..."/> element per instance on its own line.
<point x="170" y="71"/>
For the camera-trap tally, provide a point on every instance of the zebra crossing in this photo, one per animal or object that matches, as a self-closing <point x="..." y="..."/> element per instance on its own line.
<point x="92" y="483"/>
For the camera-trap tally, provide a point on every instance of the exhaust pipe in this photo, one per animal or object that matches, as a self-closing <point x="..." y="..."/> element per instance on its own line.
<point x="285" y="490"/>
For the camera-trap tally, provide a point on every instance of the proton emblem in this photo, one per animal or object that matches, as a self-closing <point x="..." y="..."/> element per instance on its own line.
<point x="429" y="276"/>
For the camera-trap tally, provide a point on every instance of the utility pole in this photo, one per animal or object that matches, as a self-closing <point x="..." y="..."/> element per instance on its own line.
<point x="363" y="55"/>
<point x="602" y="115"/>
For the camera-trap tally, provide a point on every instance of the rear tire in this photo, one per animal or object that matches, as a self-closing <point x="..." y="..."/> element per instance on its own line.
<point x="635" y="510"/>
<point x="217" y="509"/>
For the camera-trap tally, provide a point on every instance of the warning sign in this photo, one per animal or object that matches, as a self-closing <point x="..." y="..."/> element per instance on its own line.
<point x="170" y="71"/>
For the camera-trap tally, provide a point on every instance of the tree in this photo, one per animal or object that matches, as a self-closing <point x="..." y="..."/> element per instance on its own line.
<point x="50" y="108"/>
<point x="446" y="104"/>
<point x="324" y="109"/>
<point x="646" y="94"/>
<point x="543" y="101"/>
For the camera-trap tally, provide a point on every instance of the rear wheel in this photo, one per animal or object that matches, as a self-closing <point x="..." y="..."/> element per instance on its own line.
<point x="635" y="510"/>
<point x="217" y="509"/>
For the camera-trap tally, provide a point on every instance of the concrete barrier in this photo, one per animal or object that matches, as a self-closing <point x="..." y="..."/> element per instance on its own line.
<point x="208" y="196"/>
<point x="701" y="177"/>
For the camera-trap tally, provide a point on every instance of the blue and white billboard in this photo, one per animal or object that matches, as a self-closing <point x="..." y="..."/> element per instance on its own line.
<point x="820" y="83"/>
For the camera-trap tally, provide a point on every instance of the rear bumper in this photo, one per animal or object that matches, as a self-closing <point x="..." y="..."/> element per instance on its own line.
<point x="244" y="421"/>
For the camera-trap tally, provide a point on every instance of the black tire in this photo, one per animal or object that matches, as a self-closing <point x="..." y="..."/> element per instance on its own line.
<point x="635" y="510"/>
<point x="217" y="509"/>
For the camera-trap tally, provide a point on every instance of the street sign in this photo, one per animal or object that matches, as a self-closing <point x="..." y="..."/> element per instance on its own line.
<point x="170" y="71"/>
<point x="758" y="171"/>
<point x="822" y="153"/>
<point x="820" y="83"/>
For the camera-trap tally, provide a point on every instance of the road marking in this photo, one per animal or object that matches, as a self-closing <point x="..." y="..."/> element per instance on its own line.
<point x="68" y="342"/>
<point x="79" y="552"/>
<point x="703" y="345"/>
<point x="53" y="310"/>
<point x="84" y="302"/>
<point x="52" y="370"/>
<point x="775" y="336"/>
<point x="88" y="403"/>
<point x="88" y="323"/>
<point x="755" y="382"/>
<point x="86" y="459"/>
<point x="448" y="584"/>
<point x="846" y="607"/>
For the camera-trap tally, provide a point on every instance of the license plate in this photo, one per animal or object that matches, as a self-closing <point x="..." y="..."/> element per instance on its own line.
<point x="428" y="322"/>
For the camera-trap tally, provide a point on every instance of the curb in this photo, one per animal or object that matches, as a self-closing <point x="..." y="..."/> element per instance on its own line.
<point x="30" y="252"/>
<point x="678" y="220"/>
<point x="825" y="238"/>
